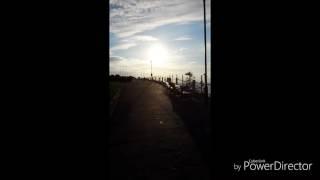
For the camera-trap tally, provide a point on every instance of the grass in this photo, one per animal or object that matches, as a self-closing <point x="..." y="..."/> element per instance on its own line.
<point x="114" y="88"/>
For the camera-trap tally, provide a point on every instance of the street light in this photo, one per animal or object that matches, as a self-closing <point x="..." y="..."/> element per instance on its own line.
<point x="151" y="70"/>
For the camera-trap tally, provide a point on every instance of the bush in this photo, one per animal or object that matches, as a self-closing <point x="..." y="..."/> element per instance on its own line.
<point x="119" y="78"/>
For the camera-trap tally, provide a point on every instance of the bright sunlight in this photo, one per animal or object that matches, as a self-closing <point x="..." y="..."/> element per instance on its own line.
<point x="158" y="54"/>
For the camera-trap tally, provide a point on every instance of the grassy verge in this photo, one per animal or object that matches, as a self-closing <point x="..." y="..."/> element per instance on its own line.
<point x="115" y="91"/>
<point x="115" y="88"/>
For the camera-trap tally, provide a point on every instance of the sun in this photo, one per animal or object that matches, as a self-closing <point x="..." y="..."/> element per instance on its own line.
<point x="158" y="54"/>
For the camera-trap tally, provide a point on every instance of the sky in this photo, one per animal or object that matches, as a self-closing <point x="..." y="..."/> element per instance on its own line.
<point x="168" y="33"/>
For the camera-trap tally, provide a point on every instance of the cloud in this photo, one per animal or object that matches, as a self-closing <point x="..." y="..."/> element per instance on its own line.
<point x="116" y="59"/>
<point x="132" y="66"/>
<point x="182" y="49"/>
<point x="131" y="42"/>
<point x="139" y="38"/>
<point x="184" y="38"/>
<point x="129" y="17"/>
<point x="123" y="46"/>
<point x="144" y="38"/>
<point x="141" y="67"/>
<point x="177" y="53"/>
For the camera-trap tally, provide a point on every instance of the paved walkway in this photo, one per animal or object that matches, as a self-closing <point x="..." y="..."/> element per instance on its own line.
<point x="148" y="140"/>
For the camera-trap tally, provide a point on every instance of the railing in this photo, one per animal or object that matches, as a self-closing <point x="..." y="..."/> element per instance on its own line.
<point x="198" y="87"/>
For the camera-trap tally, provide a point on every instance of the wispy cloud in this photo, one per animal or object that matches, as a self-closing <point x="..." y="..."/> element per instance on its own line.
<point x="116" y="58"/>
<point x="123" y="46"/>
<point x="133" y="21"/>
<point x="131" y="42"/>
<point x="182" y="49"/>
<point x="138" y="38"/>
<point x="120" y="64"/>
<point x="183" y="38"/>
<point x="138" y="67"/>
<point x="144" y="38"/>
<point x="129" y="17"/>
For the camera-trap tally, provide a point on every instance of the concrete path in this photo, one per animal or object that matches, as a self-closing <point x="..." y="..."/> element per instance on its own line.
<point x="148" y="140"/>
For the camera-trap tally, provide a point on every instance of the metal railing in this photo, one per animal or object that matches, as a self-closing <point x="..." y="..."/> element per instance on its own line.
<point x="198" y="86"/>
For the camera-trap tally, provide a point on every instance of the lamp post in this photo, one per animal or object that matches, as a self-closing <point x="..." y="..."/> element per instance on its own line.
<point x="205" y="52"/>
<point x="151" y="70"/>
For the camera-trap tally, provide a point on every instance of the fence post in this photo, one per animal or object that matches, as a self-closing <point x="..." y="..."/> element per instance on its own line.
<point x="176" y="79"/>
<point x="182" y="80"/>
<point x="193" y="85"/>
<point x="201" y="84"/>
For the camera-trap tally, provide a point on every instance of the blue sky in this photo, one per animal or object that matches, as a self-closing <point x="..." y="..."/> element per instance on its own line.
<point x="168" y="32"/>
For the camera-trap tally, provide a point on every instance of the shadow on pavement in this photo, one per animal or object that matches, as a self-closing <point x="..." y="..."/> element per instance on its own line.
<point x="196" y="116"/>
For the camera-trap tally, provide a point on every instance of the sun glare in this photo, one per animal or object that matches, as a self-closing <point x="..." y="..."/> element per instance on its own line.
<point x="158" y="54"/>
